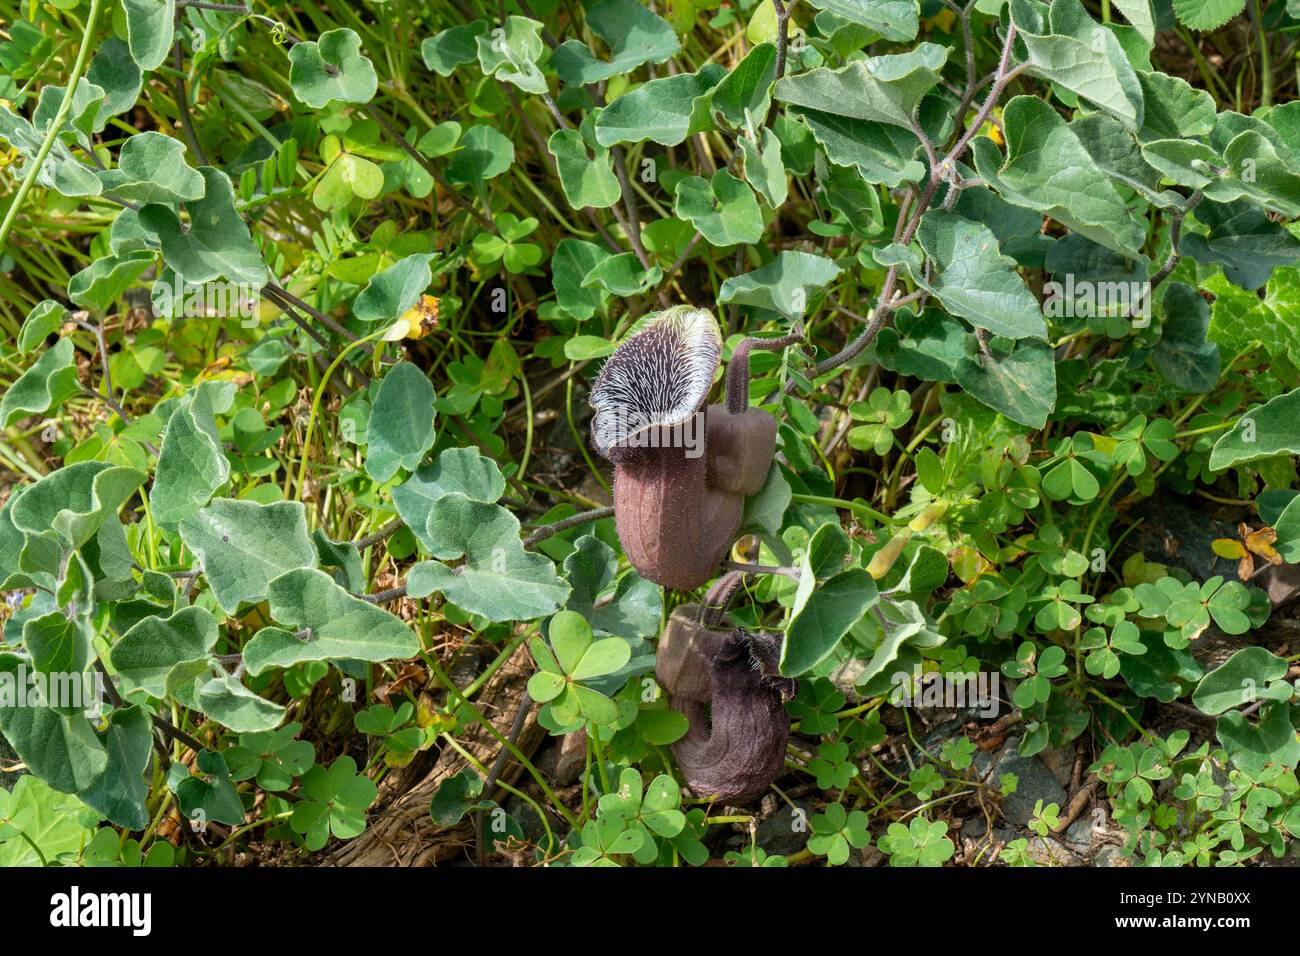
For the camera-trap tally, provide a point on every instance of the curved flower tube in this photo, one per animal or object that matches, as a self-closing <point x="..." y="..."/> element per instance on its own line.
<point x="725" y="682"/>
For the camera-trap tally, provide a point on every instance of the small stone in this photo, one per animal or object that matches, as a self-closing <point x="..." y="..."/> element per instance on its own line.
<point x="1080" y="831"/>
<point x="1060" y="761"/>
<point x="785" y="831"/>
<point x="1111" y="856"/>
<point x="572" y="759"/>
<point x="1048" y="852"/>
<point x="1035" y="782"/>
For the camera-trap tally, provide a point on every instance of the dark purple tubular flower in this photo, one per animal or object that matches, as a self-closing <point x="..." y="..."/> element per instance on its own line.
<point x="726" y="683"/>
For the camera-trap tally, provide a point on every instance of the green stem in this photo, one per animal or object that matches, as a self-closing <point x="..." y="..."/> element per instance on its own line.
<point x="487" y="725"/>
<point x="78" y="67"/>
<point x="320" y="393"/>
<point x="1265" y="64"/>
<point x="856" y="507"/>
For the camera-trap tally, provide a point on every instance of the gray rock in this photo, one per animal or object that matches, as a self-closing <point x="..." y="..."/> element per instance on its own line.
<point x="1080" y="832"/>
<point x="1036" y="783"/>
<point x="1043" y="850"/>
<point x="872" y="857"/>
<point x="1060" y="761"/>
<point x="784" y="832"/>
<point x="572" y="758"/>
<point x="529" y="821"/>
<point x="1111" y="856"/>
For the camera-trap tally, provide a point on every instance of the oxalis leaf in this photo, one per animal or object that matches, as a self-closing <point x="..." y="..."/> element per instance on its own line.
<point x="332" y="68"/>
<point x="498" y="578"/>
<point x="1264" y="431"/>
<point x="46" y="385"/>
<point x="191" y="462"/>
<point x="243" y="545"/>
<point x="401" y="422"/>
<point x="324" y="622"/>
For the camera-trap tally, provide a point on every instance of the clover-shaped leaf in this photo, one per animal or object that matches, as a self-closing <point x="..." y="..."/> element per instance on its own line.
<point x="577" y="657"/>
<point x="920" y="843"/>
<point x="815" y="706"/>
<point x="885" y="412"/>
<point x="273" y="758"/>
<point x="507" y="246"/>
<point x="832" y="766"/>
<point x="835" y="831"/>
<point x="654" y="812"/>
<point x="334" y="801"/>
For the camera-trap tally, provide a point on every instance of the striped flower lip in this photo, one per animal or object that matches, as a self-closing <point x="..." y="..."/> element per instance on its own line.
<point x="659" y="376"/>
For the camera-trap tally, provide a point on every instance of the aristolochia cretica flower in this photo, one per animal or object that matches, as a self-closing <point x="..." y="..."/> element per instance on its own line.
<point x="682" y="470"/>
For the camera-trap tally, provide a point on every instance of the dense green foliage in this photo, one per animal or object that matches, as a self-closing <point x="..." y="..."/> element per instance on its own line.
<point x="302" y="307"/>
